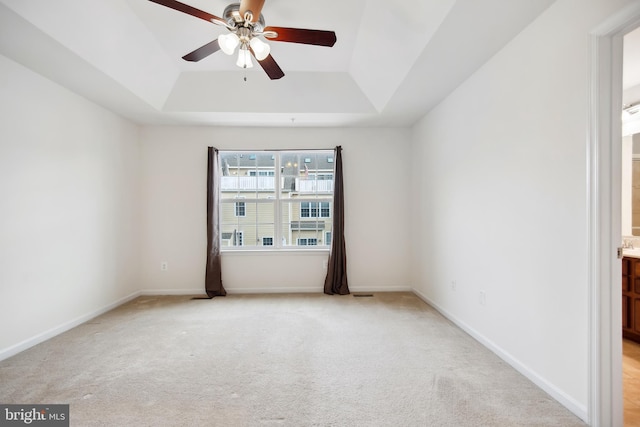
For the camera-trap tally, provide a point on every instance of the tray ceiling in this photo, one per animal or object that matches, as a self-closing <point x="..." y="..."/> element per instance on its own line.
<point x="393" y="61"/>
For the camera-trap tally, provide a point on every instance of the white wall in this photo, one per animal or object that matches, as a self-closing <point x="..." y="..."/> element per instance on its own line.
<point x="626" y="185"/>
<point x="376" y="169"/>
<point x="500" y="167"/>
<point x="68" y="208"/>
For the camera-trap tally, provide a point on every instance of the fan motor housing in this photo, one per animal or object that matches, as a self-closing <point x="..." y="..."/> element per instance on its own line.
<point x="232" y="16"/>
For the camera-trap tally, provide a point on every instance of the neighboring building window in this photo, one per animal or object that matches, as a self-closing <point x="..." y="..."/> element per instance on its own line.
<point x="286" y="196"/>
<point x="321" y="176"/>
<point x="327" y="238"/>
<point x="324" y="210"/>
<point x="307" y="242"/>
<point x="241" y="209"/>
<point x="314" y="210"/>
<point x="261" y="173"/>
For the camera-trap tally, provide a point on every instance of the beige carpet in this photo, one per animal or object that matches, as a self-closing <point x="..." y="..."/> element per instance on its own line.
<point x="271" y="360"/>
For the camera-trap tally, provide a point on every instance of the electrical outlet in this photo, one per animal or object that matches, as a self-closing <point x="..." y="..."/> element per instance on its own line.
<point x="164" y="266"/>
<point x="482" y="298"/>
<point x="454" y="285"/>
<point x="325" y="263"/>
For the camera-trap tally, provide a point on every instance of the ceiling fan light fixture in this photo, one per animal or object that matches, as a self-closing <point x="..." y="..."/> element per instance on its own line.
<point x="244" y="58"/>
<point x="260" y="49"/>
<point x="228" y="42"/>
<point x="245" y="23"/>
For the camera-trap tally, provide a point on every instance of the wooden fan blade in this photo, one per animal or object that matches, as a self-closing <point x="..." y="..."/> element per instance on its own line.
<point x="271" y="67"/>
<point x="253" y="6"/>
<point x="202" y="52"/>
<point x="189" y="10"/>
<point x="301" y="35"/>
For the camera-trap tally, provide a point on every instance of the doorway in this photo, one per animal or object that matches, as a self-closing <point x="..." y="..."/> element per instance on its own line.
<point x="630" y="188"/>
<point x="604" y="213"/>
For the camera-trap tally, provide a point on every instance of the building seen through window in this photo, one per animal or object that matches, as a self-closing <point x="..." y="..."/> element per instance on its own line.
<point x="286" y="199"/>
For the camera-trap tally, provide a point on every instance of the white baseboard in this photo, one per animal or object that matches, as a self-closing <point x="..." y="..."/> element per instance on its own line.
<point x="380" y="289"/>
<point x="272" y="290"/>
<point x="37" y="339"/>
<point x="231" y="291"/>
<point x="567" y="401"/>
<point x="316" y="290"/>
<point x="160" y="292"/>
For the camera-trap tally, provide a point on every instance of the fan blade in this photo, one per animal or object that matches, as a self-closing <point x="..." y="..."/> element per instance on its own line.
<point x="300" y="35"/>
<point x="189" y="10"/>
<point x="271" y="67"/>
<point x="253" y="6"/>
<point x="202" y="52"/>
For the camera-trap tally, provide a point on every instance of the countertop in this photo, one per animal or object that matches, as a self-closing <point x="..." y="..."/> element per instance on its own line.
<point x="631" y="253"/>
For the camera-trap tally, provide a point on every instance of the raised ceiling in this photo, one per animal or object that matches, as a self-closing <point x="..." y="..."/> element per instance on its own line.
<point x="393" y="61"/>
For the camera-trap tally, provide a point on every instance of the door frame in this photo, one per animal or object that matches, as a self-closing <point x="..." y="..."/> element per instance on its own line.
<point x="605" y="406"/>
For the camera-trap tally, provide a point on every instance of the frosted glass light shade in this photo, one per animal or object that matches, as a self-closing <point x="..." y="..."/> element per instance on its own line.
<point x="260" y="48"/>
<point x="244" y="59"/>
<point x="228" y="42"/>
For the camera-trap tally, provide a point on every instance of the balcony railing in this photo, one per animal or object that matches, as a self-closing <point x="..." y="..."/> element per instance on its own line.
<point x="312" y="186"/>
<point x="252" y="183"/>
<point x="247" y="183"/>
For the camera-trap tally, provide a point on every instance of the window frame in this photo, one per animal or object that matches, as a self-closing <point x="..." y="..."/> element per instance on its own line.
<point x="285" y="227"/>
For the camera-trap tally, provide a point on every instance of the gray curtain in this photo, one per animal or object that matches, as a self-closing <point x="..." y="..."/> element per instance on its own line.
<point x="336" y="280"/>
<point x="213" y="276"/>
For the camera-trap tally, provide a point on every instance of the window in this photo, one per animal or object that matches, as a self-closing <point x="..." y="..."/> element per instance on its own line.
<point x="261" y="173"/>
<point x="314" y="210"/>
<point x="307" y="242"/>
<point x="322" y="177"/>
<point x="287" y="198"/>
<point x="240" y="209"/>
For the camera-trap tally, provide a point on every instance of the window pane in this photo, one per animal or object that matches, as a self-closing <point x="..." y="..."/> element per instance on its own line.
<point x="247" y="173"/>
<point x="266" y="233"/>
<point x="314" y="174"/>
<point x="306" y="220"/>
<point x="303" y="203"/>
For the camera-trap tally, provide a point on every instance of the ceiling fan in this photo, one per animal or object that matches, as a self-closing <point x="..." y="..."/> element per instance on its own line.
<point x="246" y="24"/>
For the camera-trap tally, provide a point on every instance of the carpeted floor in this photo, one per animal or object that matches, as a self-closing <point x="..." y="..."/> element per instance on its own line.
<point x="276" y="360"/>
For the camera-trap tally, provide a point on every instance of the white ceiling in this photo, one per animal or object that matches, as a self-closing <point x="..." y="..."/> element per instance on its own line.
<point x="393" y="61"/>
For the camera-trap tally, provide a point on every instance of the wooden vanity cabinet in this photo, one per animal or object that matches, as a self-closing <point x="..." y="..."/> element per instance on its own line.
<point x="631" y="298"/>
